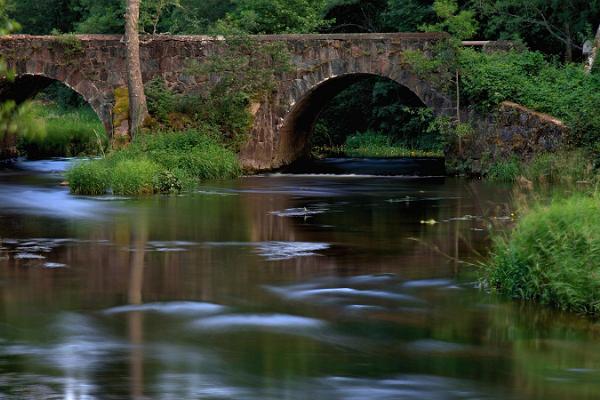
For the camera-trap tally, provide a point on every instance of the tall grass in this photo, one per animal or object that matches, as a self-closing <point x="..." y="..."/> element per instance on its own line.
<point x="565" y="167"/>
<point x="376" y="145"/>
<point x="69" y="132"/>
<point x="156" y="163"/>
<point x="552" y="256"/>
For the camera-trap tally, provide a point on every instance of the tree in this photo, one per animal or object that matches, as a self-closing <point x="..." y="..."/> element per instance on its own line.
<point x="279" y="16"/>
<point x="42" y="17"/>
<point x="544" y="24"/>
<point x="594" y="54"/>
<point x="138" y="110"/>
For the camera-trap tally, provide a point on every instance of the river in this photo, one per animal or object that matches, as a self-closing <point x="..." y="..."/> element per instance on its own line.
<point x="272" y="287"/>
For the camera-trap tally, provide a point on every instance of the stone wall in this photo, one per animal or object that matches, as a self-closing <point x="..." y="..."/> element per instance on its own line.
<point x="513" y="131"/>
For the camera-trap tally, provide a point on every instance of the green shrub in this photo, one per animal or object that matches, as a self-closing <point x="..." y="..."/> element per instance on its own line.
<point x="504" y="171"/>
<point x="552" y="256"/>
<point x="161" y="100"/>
<point x="89" y="178"/>
<point x="158" y="163"/>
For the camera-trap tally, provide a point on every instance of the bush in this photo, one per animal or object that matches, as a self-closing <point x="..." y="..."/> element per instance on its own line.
<point x="504" y="171"/>
<point x="552" y="256"/>
<point x="160" y="163"/>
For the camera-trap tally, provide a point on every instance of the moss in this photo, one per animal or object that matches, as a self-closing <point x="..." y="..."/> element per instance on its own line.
<point x="121" y="106"/>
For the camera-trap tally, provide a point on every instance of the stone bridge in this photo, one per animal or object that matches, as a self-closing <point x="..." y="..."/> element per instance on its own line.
<point x="324" y="65"/>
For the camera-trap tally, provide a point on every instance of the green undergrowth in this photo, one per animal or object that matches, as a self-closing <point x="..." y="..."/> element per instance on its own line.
<point x="562" y="168"/>
<point x="564" y="91"/>
<point x="374" y="145"/>
<point x="552" y="256"/>
<point x="68" y="132"/>
<point x="166" y="162"/>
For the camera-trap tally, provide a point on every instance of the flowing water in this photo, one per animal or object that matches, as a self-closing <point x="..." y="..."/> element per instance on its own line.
<point x="271" y="287"/>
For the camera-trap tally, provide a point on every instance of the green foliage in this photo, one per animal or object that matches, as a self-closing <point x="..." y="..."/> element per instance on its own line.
<point x="504" y="171"/>
<point x="165" y="162"/>
<point x="368" y="139"/>
<point x="161" y="101"/>
<point x="562" y="168"/>
<point x="89" y="178"/>
<point x="565" y="168"/>
<point x="378" y="105"/>
<point x="100" y="16"/>
<point x="564" y="92"/>
<point x="71" y="44"/>
<point x="407" y="15"/>
<point x="42" y="17"/>
<point x="460" y="24"/>
<point x="195" y="16"/>
<point x="377" y="145"/>
<point x="554" y="27"/>
<point x="68" y="132"/>
<point x="552" y="256"/>
<point x="134" y="176"/>
<point x="279" y="16"/>
<point x="14" y="119"/>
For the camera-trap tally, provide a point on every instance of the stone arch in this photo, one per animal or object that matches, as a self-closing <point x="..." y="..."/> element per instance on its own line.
<point x="28" y="84"/>
<point x="308" y="96"/>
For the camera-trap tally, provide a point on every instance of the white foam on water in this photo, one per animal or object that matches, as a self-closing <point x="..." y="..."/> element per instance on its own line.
<point x="29" y="256"/>
<point x="299" y="212"/>
<point x="53" y="265"/>
<point x="344" y="292"/>
<point x="278" y="250"/>
<point x="172" y="308"/>
<point x="270" y="322"/>
<point x="427" y="283"/>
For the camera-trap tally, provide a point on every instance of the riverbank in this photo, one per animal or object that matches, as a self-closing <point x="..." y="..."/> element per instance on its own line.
<point x="552" y="256"/>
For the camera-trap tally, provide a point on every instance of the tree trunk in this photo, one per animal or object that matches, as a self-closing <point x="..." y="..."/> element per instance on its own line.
<point x="594" y="55"/>
<point x="568" y="44"/>
<point x="138" y="110"/>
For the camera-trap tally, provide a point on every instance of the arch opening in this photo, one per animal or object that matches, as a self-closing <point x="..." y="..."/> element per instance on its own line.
<point x="355" y="109"/>
<point x="67" y="125"/>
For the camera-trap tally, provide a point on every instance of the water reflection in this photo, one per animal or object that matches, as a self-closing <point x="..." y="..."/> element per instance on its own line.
<point x="273" y="287"/>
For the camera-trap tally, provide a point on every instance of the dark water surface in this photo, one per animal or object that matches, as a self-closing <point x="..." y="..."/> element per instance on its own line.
<point x="272" y="287"/>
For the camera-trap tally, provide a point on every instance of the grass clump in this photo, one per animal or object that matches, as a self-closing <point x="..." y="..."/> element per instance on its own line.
<point x="89" y="178"/>
<point x="69" y="132"/>
<point x="164" y="162"/>
<point x="552" y="256"/>
<point x="505" y="170"/>
<point x="375" y="145"/>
